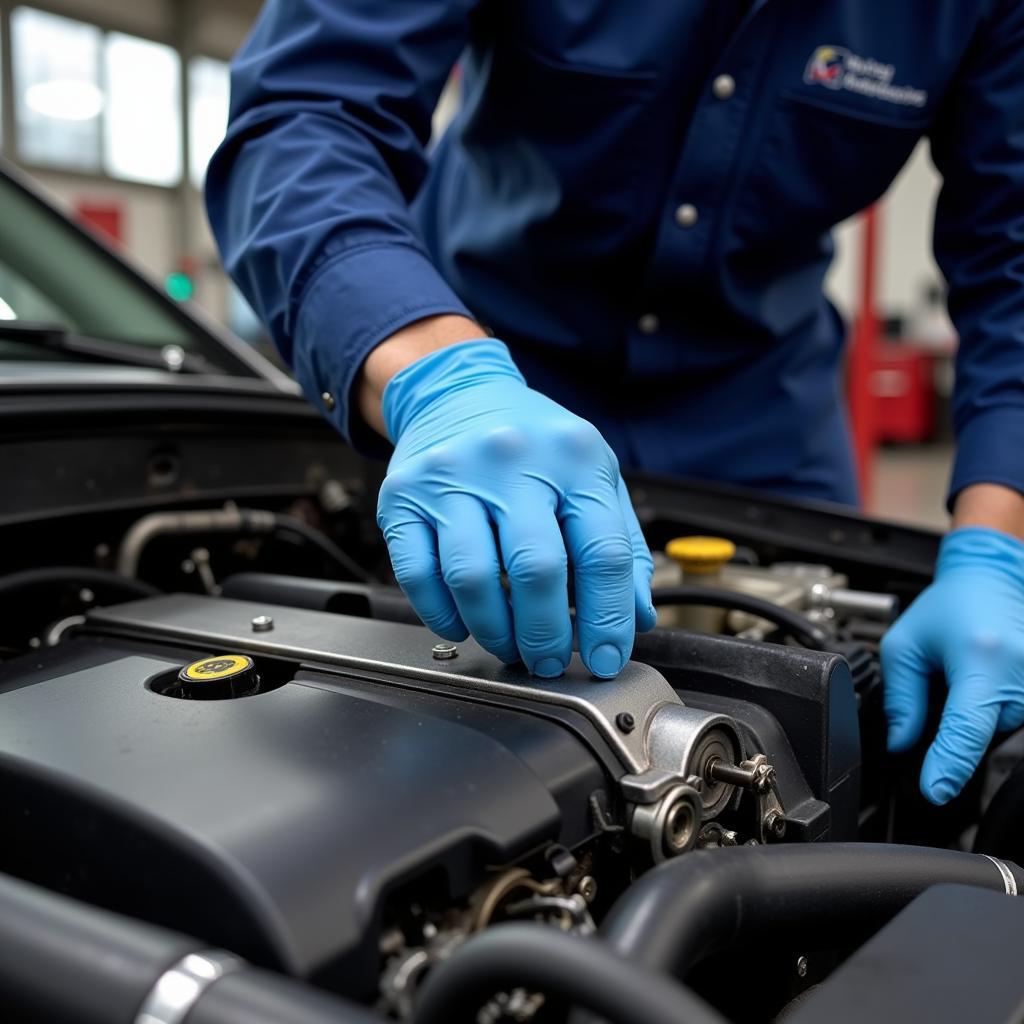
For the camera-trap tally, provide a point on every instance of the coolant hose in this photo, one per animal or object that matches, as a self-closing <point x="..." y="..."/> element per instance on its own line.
<point x="791" y="623"/>
<point x="709" y="900"/>
<point x="65" y="962"/>
<point x="104" y="581"/>
<point x="578" y="970"/>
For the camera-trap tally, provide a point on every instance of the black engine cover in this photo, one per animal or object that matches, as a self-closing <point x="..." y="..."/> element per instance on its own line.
<point x="276" y="824"/>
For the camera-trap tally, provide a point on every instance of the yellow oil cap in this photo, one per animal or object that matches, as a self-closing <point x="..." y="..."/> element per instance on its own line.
<point x="219" y="677"/>
<point x="700" y="554"/>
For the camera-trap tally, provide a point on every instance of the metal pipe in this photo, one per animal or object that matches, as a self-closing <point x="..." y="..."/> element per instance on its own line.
<point x="855" y="602"/>
<point x="229" y="519"/>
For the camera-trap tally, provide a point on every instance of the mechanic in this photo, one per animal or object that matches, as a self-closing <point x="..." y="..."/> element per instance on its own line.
<point x="636" y="197"/>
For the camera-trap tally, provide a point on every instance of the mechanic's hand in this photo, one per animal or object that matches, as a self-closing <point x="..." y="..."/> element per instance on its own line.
<point x="487" y="475"/>
<point x="970" y="625"/>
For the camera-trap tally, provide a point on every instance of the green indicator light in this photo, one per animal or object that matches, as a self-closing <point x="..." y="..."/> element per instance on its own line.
<point x="179" y="286"/>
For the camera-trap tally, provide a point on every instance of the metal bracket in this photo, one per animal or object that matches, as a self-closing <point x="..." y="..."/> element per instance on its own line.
<point x="664" y="746"/>
<point x="223" y="624"/>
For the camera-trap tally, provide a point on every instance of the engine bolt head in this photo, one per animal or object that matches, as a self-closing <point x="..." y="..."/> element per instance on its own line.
<point x="444" y="652"/>
<point x="801" y="967"/>
<point x="682" y="821"/>
<point x="625" y="722"/>
<point x="262" y="624"/>
<point x="587" y="888"/>
<point x="775" y="823"/>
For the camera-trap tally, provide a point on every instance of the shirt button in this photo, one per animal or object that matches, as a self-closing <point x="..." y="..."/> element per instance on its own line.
<point x="686" y="215"/>
<point x="328" y="399"/>
<point x="723" y="87"/>
<point x="648" y="323"/>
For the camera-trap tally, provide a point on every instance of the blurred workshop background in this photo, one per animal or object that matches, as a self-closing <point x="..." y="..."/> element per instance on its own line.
<point x="114" y="109"/>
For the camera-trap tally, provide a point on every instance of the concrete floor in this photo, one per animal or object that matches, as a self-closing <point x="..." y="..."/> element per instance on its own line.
<point x="910" y="485"/>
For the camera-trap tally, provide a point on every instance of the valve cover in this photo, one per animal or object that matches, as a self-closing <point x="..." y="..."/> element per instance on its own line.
<point x="274" y="823"/>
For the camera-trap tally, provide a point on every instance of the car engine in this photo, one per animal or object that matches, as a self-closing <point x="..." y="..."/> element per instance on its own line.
<point x="248" y="795"/>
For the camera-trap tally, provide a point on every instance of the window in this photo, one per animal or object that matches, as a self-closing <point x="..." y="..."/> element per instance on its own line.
<point x="142" y="141"/>
<point x="209" y="88"/>
<point x="94" y="101"/>
<point x="58" y="99"/>
<point x="53" y="274"/>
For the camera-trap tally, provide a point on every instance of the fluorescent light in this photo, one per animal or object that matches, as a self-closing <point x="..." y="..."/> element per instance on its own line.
<point x="65" y="99"/>
<point x="6" y="313"/>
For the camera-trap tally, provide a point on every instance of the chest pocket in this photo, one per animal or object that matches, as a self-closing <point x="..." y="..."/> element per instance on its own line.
<point x="577" y="133"/>
<point x="820" y="161"/>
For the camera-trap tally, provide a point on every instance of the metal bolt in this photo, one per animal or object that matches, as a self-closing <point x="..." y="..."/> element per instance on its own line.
<point x="625" y="722"/>
<point x="765" y="779"/>
<point x="587" y="888"/>
<point x="262" y="624"/>
<point x="86" y="596"/>
<point x="775" y="823"/>
<point x="801" y="967"/>
<point x="679" y="825"/>
<point x="444" y="652"/>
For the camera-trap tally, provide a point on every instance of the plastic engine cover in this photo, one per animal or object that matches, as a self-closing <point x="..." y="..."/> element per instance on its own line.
<point x="273" y="824"/>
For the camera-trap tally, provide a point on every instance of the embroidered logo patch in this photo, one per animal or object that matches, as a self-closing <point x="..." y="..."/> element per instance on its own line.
<point x="837" y="68"/>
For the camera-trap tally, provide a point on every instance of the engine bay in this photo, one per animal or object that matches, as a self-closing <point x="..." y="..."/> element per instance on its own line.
<point x="234" y="763"/>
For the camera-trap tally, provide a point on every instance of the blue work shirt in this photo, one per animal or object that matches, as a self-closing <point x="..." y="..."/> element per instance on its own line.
<point x="640" y="210"/>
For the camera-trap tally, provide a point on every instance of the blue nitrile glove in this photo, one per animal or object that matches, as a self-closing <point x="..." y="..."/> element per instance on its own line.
<point x="969" y="624"/>
<point x="488" y="474"/>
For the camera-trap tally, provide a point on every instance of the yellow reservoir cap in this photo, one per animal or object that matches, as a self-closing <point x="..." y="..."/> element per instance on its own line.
<point x="700" y="554"/>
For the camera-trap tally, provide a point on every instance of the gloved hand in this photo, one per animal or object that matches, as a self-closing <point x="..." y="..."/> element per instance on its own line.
<point x="488" y="474"/>
<point x="970" y="625"/>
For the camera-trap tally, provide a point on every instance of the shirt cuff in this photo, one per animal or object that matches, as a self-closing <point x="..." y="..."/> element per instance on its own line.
<point x="990" y="450"/>
<point x="355" y="301"/>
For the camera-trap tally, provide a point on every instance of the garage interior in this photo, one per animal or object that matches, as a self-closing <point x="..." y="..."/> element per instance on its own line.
<point x="390" y="681"/>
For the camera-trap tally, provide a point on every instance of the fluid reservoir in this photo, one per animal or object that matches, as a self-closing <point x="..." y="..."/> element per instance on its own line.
<point x="700" y="561"/>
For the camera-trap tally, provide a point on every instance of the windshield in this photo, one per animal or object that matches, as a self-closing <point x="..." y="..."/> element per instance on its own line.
<point x="51" y="273"/>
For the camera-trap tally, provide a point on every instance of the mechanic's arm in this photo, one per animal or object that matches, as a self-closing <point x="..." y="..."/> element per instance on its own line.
<point x="308" y="197"/>
<point x="969" y="624"/>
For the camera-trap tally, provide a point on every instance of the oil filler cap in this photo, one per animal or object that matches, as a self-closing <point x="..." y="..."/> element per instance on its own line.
<point x="219" y="678"/>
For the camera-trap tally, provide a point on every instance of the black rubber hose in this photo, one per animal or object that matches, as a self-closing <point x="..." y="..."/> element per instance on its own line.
<point x="822" y="893"/>
<point x="580" y="971"/>
<point x="16" y="583"/>
<point x="1001" y="829"/>
<point x="65" y="962"/>
<point x="253" y="996"/>
<point x="791" y="623"/>
<point x="315" y="538"/>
